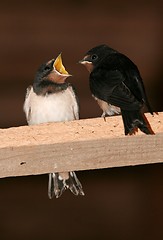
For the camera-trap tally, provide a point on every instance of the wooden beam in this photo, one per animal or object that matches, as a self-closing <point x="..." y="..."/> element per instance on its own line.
<point x="77" y="145"/>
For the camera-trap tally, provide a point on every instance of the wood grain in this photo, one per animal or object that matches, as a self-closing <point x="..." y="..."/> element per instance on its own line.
<point x="77" y="145"/>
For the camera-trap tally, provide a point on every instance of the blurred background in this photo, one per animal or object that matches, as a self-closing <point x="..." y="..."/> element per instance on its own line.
<point x="120" y="203"/>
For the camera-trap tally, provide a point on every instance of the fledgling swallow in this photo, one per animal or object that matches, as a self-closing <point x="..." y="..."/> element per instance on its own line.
<point x="116" y="84"/>
<point x="52" y="99"/>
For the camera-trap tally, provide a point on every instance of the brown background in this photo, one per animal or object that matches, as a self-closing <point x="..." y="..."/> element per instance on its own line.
<point x="121" y="203"/>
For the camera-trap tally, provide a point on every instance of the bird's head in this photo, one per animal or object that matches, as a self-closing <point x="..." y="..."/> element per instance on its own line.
<point x="50" y="73"/>
<point x="53" y="70"/>
<point x="95" y="55"/>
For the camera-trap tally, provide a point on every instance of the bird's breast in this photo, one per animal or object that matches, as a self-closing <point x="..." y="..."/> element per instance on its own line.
<point x="61" y="106"/>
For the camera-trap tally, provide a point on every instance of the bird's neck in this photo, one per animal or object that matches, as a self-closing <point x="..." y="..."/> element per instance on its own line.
<point x="48" y="87"/>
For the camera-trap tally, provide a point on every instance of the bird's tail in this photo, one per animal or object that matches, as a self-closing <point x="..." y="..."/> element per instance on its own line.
<point x="59" y="182"/>
<point x="133" y="120"/>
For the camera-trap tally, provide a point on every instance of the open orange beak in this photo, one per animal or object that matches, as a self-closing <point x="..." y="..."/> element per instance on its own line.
<point x="58" y="65"/>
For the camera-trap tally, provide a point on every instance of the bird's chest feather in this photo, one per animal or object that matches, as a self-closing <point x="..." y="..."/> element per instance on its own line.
<point x="61" y="106"/>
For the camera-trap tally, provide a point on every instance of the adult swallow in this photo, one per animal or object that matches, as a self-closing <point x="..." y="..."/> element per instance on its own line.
<point x="116" y="84"/>
<point x="52" y="99"/>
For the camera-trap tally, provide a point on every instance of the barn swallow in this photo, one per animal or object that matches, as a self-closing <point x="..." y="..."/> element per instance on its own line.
<point x="52" y="99"/>
<point x="117" y="86"/>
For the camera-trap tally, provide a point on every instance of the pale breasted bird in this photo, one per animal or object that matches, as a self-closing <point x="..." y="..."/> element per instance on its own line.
<point x="116" y="84"/>
<point x="52" y="99"/>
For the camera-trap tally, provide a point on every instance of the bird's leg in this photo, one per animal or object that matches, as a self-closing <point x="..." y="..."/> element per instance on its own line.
<point x="104" y="116"/>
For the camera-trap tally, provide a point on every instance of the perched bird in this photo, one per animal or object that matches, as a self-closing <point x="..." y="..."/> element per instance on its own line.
<point x="52" y="99"/>
<point x="116" y="84"/>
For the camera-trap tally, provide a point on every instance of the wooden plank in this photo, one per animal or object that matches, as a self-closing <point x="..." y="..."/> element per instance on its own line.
<point x="77" y="145"/>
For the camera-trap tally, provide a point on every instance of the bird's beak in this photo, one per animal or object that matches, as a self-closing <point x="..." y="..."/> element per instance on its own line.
<point x="87" y="63"/>
<point x="81" y="61"/>
<point x="84" y="60"/>
<point x="58" y="65"/>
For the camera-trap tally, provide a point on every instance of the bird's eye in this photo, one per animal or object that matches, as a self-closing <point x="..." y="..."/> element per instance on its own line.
<point x="94" y="57"/>
<point x="47" y="68"/>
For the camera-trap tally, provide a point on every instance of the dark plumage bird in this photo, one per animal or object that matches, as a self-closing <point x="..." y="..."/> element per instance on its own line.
<point x="51" y="99"/>
<point x="116" y="84"/>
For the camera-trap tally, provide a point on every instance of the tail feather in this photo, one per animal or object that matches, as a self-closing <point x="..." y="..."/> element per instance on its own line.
<point x="55" y="186"/>
<point x="58" y="184"/>
<point x="74" y="184"/>
<point x="133" y="120"/>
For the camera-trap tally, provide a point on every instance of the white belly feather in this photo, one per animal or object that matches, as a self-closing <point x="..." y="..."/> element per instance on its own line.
<point x="61" y="106"/>
<point x="107" y="108"/>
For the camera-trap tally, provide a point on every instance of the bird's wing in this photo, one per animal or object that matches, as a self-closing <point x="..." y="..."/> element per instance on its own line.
<point x="110" y="86"/>
<point x="135" y="83"/>
<point x="120" y="72"/>
<point x="133" y="80"/>
<point x="27" y="107"/>
<point x="75" y="101"/>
